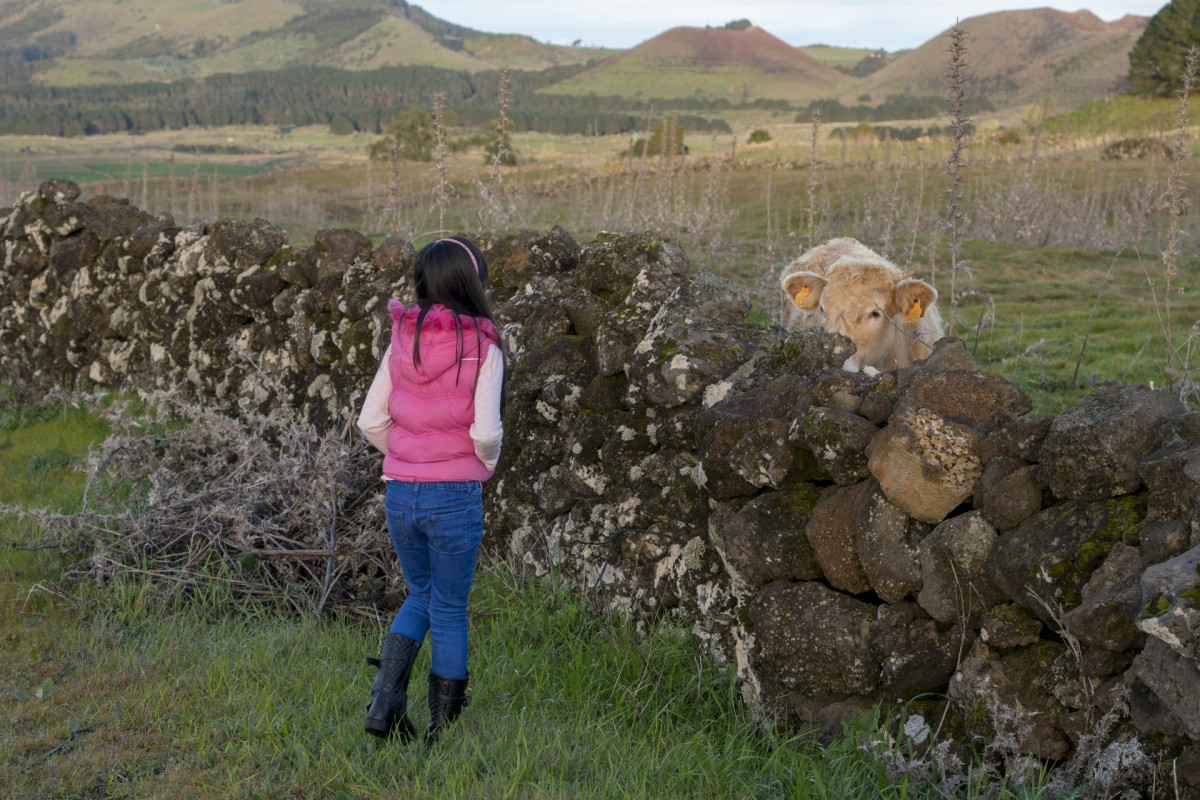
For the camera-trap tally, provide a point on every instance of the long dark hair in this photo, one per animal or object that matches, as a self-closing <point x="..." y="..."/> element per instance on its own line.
<point x="453" y="272"/>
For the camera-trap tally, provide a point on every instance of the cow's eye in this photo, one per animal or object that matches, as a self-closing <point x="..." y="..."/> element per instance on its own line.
<point x="876" y="313"/>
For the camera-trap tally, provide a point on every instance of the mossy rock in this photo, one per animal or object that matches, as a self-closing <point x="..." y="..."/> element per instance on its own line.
<point x="1054" y="552"/>
<point x="355" y="345"/>
<point x="611" y="262"/>
<point x="803" y="352"/>
<point x="243" y="244"/>
<point x="838" y="440"/>
<point x="256" y="287"/>
<point x="765" y="541"/>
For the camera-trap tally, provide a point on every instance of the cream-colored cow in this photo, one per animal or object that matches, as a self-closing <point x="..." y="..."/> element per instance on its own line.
<point x="847" y="288"/>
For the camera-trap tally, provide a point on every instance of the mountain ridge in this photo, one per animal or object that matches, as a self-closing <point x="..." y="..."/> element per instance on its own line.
<point x="1020" y="57"/>
<point x="1014" y="57"/>
<point x="126" y="41"/>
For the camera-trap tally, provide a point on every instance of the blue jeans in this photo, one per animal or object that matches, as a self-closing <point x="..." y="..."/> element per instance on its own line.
<point x="436" y="529"/>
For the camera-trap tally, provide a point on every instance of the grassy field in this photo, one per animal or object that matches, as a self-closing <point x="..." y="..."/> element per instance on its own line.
<point x="115" y="692"/>
<point x="1064" y="288"/>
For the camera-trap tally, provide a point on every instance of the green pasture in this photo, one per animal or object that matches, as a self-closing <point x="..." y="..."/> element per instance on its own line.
<point x="732" y="83"/>
<point x="1116" y="116"/>
<point x="115" y="692"/>
<point x="87" y="172"/>
<point x="837" y="56"/>
<point x="1026" y="308"/>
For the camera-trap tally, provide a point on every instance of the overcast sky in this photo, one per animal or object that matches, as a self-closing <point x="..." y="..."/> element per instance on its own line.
<point x="889" y="24"/>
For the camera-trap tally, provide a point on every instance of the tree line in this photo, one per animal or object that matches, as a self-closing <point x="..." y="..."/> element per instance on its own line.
<point x="370" y="100"/>
<point x="895" y="106"/>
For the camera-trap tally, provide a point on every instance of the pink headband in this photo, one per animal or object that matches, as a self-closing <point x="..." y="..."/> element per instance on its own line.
<point x="464" y="247"/>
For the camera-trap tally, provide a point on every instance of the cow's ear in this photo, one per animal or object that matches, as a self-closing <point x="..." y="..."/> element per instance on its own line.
<point x="914" y="298"/>
<point x="804" y="288"/>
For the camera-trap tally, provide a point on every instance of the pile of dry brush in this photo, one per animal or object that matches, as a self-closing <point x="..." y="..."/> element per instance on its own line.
<point x="276" y="510"/>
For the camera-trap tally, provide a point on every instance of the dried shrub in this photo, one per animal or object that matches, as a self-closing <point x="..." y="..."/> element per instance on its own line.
<point x="1136" y="147"/>
<point x="187" y="495"/>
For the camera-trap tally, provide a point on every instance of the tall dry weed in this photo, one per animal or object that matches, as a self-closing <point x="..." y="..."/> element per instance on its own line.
<point x="441" y="192"/>
<point x="1174" y="203"/>
<point x="492" y="211"/>
<point x="814" y="230"/>
<point x="956" y="217"/>
<point x="395" y="186"/>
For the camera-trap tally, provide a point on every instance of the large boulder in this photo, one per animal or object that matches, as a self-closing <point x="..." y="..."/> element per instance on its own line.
<point x="834" y="533"/>
<point x="1091" y="451"/>
<point x="1022" y="683"/>
<point x="926" y="464"/>
<point x="1175" y="681"/>
<point x="889" y="547"/>
<point x="1045" y="562"/>
<point x="1170" y="604"/>
<point x="1007" y="492"/>
<point x="536" y="253"/>
<point x="764" y="541"/>
<point x="1172" y="471"/>
<point x="837" y="439"/>
<point x="1110" y="602"/>
<point x="916" y="655"/>
<point x="981" y="400"/>
<point x="679" y="363"/>
<point x="955" y="581"/>
<point x="812" y="648"/>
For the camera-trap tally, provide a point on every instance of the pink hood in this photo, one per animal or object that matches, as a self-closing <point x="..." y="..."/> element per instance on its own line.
<point x="440" y="346"/>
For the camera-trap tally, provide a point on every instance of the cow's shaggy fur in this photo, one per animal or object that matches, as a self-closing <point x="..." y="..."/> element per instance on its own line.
<point x="847" y="288"/>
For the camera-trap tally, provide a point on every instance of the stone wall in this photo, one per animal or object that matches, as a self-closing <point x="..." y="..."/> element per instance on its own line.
<point x="839" y="540"/>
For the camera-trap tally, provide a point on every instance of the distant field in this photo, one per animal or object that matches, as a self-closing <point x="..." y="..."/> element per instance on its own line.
<point x="838" y="56"/>
<point x="1023" y="306"/>
<point x="1119" y="115"/>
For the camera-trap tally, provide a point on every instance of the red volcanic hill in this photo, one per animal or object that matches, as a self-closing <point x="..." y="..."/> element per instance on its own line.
<point x="715" y="48"/>
<point x="710" y="62"/>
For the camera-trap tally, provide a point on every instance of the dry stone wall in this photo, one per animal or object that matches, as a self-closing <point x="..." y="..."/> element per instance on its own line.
<point x="838" y="539"/>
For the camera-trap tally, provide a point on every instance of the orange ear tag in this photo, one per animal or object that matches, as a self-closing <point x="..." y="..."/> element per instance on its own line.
<point x="916" y="312"/>
<point x="801" y="298"/>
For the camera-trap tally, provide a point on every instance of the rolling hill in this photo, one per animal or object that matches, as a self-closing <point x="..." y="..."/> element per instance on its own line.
<point x="1020" y="57"/>
<point x="1014" y="58"/>
<point x="80" y="42"/>
<point x="709" y="63"/>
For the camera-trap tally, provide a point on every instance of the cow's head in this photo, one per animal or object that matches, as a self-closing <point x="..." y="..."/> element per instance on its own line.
<point x="871" y="304"/>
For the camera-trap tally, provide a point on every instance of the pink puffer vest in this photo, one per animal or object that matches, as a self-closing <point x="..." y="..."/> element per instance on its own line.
<point x="433" y="405"/>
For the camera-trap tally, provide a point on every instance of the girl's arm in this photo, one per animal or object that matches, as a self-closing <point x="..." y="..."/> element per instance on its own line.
<point x="375" y="420"/>
<point x="487" y="433"/>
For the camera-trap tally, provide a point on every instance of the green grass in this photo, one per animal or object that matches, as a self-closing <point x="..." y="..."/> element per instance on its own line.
<point x="1117" y="116"/>
<point x="118" y="692"/>
<point x="90" y="172"/>
<point x="837" y="56"/>
<point x="734" y="83"/>
<point x="214" y="698"/>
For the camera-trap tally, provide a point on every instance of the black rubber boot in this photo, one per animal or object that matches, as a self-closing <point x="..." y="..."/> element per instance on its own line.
<point x="447" y="699"/>
<point x="388" y="712"/>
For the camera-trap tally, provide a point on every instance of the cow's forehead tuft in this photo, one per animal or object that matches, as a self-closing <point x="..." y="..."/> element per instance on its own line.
<point x="865" y="272"/>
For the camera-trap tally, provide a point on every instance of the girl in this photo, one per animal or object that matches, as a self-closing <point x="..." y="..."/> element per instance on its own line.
<point x="434" y="411"/>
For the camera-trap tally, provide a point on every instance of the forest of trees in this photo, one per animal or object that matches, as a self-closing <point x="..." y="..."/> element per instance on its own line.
<point x="1156" y="60"/>
<point x="895" y="106"/>
<point x="369" y="100"/>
